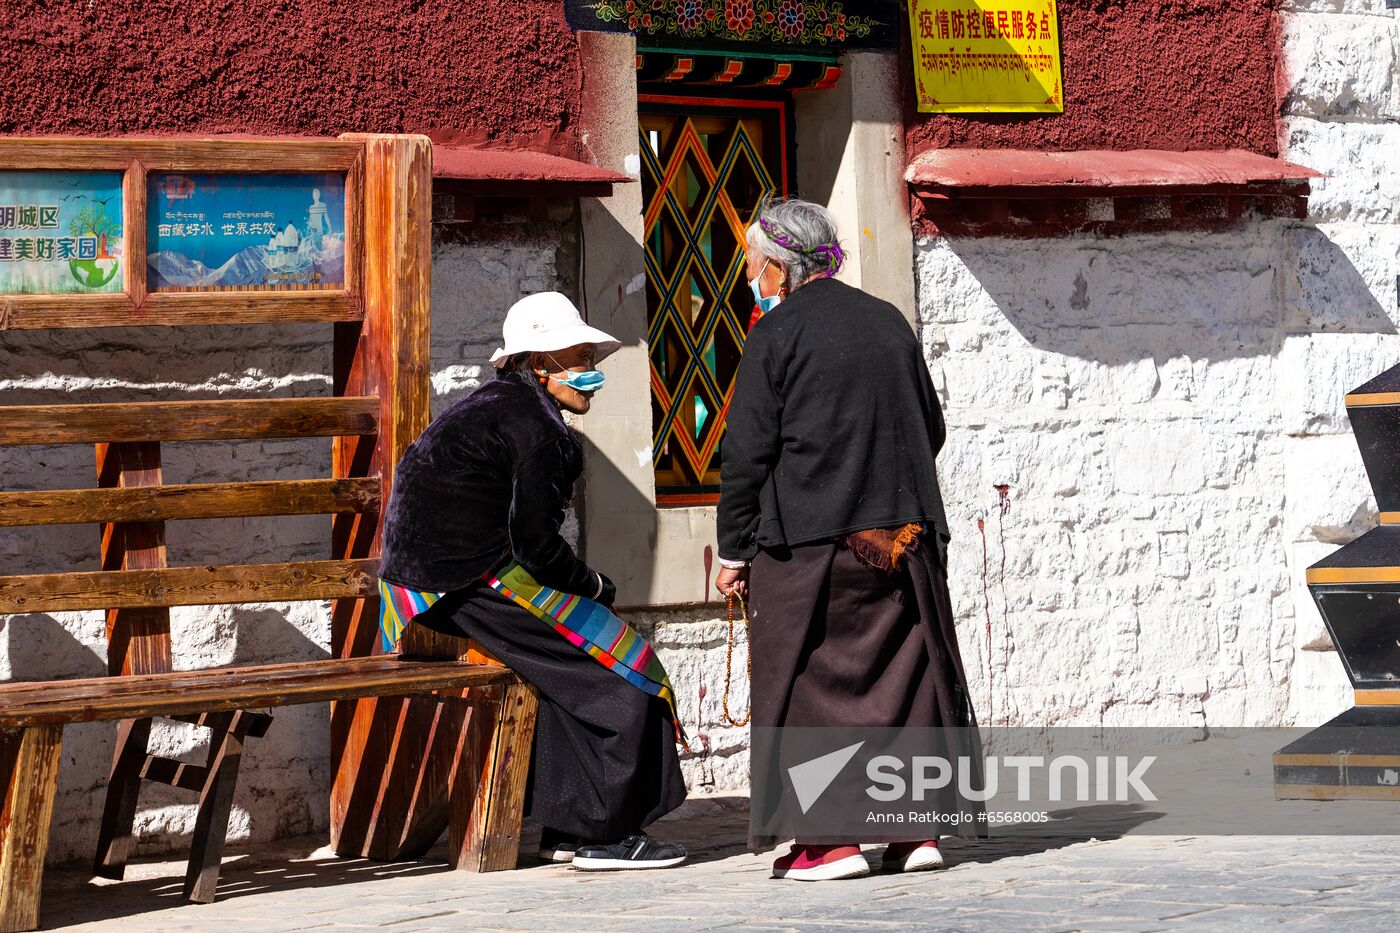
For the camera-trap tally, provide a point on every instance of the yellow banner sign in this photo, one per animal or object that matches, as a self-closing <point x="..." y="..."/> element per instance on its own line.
<point x="987" y="56"/>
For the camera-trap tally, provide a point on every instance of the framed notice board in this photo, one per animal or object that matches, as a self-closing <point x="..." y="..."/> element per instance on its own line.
<point x="120" y="232"/>
<point x="986" y="56"/>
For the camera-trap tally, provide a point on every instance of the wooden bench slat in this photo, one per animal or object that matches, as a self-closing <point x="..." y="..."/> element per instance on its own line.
<point x="270" y="676"/>
<point x="182" y="692"/>
<point x="187" y="586"/>
<point x="217" y="419"/>
<point x="176" y="773"/>
<point x="195" y="500"/>
<point x="183" y="309"/>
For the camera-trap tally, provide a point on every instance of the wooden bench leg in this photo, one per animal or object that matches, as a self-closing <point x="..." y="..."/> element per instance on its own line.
<point x="29" y="761"/>
<point x="114" y="839"/>
<point x="486" y="813"/>
<point x="211" y="825"/>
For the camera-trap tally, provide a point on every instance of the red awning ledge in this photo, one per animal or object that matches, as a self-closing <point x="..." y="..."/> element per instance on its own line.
<point x="1135" y="168"/>
<point x="513" y="172"/>
<point x="1019" y="192"/>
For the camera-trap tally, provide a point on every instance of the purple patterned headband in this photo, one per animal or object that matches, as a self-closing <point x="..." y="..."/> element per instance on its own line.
<point x="833" y="253"/>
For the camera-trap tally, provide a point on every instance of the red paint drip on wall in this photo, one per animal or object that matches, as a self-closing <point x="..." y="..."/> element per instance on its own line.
<point x="987" y="611"/>
<point x="1004" y="509"/>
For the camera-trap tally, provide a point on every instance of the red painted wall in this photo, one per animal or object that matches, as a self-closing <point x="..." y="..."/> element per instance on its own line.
<point x="504" y="71"/>
<point x="1142" y="74"/>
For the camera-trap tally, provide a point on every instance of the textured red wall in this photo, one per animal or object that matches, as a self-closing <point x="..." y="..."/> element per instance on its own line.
<point x="1143" y="74"/>
<point x="505" y="71"/>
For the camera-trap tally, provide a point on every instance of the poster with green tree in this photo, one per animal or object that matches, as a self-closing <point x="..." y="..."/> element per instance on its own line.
<point x="60" y="232"/>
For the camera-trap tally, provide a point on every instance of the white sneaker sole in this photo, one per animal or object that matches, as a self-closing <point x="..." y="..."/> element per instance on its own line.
<point x="922" y="860"/>
<point x="622" y="864"/>
<point x="558" y="856"/>
<point x="852" y="866"/>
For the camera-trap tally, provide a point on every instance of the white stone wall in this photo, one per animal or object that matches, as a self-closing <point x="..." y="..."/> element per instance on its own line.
<point x="1341" y="116"/>
<point x="1128" y="394"/>
<point x="1166" y="414"/>
<point x="478" y="271"/>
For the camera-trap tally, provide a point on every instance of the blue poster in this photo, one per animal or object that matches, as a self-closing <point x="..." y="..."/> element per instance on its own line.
<point x="60" y="232"/>
<point x="245" y="231"/>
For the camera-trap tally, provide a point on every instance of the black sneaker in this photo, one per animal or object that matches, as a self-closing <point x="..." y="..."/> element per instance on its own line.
<point x="639" y="851"/>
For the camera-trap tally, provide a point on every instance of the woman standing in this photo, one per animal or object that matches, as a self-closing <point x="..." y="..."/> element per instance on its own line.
<point x="472" y="547"/>
<point x="831" y="515"/>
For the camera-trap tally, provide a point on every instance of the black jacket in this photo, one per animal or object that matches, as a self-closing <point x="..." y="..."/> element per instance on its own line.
<point x="833" y="427"/>
<point x="489" y="478"/>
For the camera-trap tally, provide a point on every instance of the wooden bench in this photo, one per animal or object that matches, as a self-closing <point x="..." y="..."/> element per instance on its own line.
<point x="418" y="747"/>
<point x="483" y="793"/>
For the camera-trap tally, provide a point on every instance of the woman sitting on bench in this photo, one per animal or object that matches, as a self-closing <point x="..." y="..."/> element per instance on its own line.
<point x="472" y="547"/>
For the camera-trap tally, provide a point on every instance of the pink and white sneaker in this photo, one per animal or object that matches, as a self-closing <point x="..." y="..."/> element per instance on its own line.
<point x="912" y="856"/>
<point x="821" y="863"/>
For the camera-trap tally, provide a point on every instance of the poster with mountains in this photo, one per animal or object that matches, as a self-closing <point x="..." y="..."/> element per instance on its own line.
<point x="214" y="232"/>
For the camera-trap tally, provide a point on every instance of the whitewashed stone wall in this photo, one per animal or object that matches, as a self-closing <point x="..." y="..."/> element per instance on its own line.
<point x="1166" y="415"/>
<point x="1341" y="116"/>
<point x="478" y="272"/>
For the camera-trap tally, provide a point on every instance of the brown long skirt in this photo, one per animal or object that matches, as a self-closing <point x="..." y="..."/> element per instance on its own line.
<point x="839" y="643"/>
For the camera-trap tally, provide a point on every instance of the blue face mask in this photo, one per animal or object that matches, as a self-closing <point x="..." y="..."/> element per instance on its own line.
<point x="764" y="304"/>
<point x="588" y="381"/>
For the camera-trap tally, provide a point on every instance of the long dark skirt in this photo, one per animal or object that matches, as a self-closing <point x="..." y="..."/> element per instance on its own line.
<point x="839" y="643"/>
<point x="604" y="763"/>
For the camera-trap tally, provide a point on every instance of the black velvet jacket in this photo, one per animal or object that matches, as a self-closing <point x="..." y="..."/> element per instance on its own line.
<point x="489" y="479"/>
<point x="833" y="427"/>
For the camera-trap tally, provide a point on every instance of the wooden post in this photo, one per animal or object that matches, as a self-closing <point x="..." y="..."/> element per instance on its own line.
<point x="390" y="772"/>
<point x="215" y="802"/>
<point x="486" y="812"/>
<point x="138" y="642"/>
<point x="29" y="762"/>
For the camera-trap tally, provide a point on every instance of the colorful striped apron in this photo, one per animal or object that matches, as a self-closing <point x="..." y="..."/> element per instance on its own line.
<point x="588" y="625"/>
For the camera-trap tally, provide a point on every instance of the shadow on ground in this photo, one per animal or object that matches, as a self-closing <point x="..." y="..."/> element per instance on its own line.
<point x="713" y="828"/>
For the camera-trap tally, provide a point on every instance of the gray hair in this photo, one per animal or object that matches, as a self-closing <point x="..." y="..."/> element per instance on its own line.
<point x="798" y="235"/>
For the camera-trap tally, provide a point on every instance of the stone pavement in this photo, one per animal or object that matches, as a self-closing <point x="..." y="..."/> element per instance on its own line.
<point x="1133" y="882"/>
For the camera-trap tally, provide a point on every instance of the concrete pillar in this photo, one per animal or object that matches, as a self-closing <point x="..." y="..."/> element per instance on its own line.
<point x="618" y="528"/>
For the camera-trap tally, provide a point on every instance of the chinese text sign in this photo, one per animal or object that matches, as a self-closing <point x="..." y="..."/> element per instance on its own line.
<point x="210" y="232"/>
<point x="987" y="56"/>
<point x="60" y="232"/>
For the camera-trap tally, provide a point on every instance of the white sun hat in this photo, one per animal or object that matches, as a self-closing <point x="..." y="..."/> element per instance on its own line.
<point x="545" y="322"/>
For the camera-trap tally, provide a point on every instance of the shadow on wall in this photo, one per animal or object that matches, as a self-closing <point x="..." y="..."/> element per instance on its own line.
<point x="41" y="647"/>
<point x="620" y="533"/>
<point x="1112" y="301"/>
<point x="630" y="512"/>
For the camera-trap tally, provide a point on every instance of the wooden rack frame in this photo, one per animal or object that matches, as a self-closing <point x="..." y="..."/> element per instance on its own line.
<point x="396" y="758"/>
<point x="138" y="159"/>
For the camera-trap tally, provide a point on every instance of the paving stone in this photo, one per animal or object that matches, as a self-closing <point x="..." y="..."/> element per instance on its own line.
<point x="1131" y="883"/>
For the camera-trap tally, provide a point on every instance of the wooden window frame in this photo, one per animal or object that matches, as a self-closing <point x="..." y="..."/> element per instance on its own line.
<point x="718" y="104"/>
